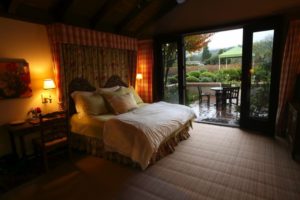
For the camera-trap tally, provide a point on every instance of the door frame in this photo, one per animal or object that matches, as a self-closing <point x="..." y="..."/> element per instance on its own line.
<point x="266" y="126"/>
<point x="159" y="69"/>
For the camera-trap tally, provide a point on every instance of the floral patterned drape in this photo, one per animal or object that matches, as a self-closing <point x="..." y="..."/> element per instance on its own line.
<point x="289" y="70"/>
<point x="96" y="64"/>
<point x="145" y="67"/>
<point x="60" y="35"/>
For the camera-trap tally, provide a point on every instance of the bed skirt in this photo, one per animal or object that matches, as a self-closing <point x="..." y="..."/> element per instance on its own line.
<point x="95" y="146"/>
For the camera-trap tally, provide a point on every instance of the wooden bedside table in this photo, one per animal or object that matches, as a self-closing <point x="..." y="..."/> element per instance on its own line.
<point x="20" y="131"/>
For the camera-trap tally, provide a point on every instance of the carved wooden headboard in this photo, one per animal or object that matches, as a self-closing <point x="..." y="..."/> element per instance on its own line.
<point x="81" y="84"/>
<point x="114" y="80"/>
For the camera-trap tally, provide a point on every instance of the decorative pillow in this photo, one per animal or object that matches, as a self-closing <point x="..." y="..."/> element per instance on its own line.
<point x="111" y="89"/>
<point x="136" y="96"/>
<point x="109" y="94"/>
<point x="90" y="103"/>
<point x="122" y="103"/>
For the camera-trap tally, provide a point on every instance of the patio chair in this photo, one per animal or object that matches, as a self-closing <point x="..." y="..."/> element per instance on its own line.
<point x="235" y="91"/>
<point x="228" y="93"/>
<point x="201" y="94"/>
<point x="225" y="85"/>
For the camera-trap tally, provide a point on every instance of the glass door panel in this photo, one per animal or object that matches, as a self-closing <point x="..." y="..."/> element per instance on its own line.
<point x="260" y="74"/>
<point x="170" y="72"/>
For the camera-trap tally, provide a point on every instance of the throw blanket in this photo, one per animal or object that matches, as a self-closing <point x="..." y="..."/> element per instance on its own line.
<point x="139" y="133"/>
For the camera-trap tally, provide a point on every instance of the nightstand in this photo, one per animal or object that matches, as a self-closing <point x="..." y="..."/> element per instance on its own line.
<point x="20" y="131"/>
<point x="293" y="127"/>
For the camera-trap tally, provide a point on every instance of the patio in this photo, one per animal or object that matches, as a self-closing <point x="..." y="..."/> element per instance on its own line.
<point x="209" y="113"/>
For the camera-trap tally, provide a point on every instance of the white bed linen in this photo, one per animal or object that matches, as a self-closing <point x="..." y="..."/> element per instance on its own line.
<point x="89" y="125"/>
<point x="139" y="133"/>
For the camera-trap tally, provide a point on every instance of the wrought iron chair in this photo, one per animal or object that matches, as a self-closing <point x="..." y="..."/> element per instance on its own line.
<point x="228" y="93"/>
<point x="235" y="91"/>
<point x="201" y="94"/>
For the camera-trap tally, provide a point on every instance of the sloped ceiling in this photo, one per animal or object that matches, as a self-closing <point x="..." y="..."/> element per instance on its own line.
<point x="196" y="14"/>
<point x="143" y="18"/>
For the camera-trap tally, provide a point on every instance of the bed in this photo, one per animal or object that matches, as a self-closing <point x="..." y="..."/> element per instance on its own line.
<point x="138" y="135"/>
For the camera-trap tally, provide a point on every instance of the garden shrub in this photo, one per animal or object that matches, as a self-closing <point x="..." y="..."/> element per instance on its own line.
<point x="172" y="80"/>
<point x="194" y="74"/>
<point x="192" y="79"/>
<point x="262" y="74"/>
<point x="206" y="79"/>
<point x="228" y="75"/>
<point x="207" y="75"/>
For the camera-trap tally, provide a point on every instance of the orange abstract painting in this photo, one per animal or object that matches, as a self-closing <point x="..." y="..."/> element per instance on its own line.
<point x="14" y="79"/>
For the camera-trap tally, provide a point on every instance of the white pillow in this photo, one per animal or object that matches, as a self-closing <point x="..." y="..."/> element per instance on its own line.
<point x="122" y="103"/>
<point x="90" y="103"/>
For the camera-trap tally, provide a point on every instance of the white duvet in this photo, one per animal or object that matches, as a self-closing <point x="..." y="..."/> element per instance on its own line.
<point x="139" y="133"/>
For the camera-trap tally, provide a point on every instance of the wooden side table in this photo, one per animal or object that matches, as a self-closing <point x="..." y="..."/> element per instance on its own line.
<point x="20" y="131"/>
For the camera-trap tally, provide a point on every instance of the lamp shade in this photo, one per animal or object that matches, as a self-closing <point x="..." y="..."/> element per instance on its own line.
<point x="139" y="76"/>
<point x="49" y="84"/>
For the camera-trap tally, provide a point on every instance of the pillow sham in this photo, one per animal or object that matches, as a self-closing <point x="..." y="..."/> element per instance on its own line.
<point x="136" y="96"/>
<point x="90" y="103"/>
<point x="122" y="103"/>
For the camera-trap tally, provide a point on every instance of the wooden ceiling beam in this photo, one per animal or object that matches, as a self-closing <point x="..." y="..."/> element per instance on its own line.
<point x="105" y="8"/>
<point x="132" y="15"/>
<point x="13" y="6"/>
<point x="59" y="11"/>
<point x="163" y="11"/>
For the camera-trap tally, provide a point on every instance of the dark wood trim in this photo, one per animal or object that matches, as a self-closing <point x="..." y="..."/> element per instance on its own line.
<point x="13" y="6"/>
<point x="59" y="11"/>
<point x="181" y="70"/>
<point x="171" y="4"/>
<point x="103" y="10"/>
<point x="132" y="15"/>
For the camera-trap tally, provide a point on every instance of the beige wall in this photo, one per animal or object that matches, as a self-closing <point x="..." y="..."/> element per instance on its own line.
<point x="29" y="41"/>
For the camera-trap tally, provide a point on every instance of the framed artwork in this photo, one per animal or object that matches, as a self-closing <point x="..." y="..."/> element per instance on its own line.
<point x="14" y="79"/>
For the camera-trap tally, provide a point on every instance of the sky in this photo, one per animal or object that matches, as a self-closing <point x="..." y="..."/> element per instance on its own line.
<point x="225" y="39"/>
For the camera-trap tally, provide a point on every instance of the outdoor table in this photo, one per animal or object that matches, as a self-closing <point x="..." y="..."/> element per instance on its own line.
<point x="218" y="94"/>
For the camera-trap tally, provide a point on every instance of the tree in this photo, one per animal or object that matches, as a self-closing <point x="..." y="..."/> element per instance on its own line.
<point x="263" y="51"/>
<point x="206" y="54"/>
<point x="192" y="43"/>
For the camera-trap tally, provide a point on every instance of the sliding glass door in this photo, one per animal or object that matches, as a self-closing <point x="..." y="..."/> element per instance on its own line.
<point x="189" y="66"/>
<point x="261" y="63"/>
<point x="170" y="71"/>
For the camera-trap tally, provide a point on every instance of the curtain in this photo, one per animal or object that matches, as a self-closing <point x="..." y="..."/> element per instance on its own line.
<point x="145" y="67"/>
<point x="60" y="36"/>
<point x="96" y="64"/>
<point x="289" y="70"/>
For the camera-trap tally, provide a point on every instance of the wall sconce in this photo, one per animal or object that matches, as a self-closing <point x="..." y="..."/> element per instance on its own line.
<point x="48" y="84"/>
<point x="139" y="76"/>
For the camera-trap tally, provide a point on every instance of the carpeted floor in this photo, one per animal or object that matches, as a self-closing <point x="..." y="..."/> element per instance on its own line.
<point x="214" y="163"/>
